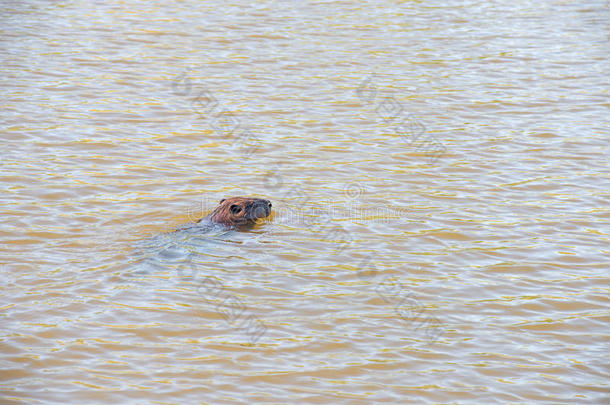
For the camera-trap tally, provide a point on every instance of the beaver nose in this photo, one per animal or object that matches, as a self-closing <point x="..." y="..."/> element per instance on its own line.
<point x="262" y="209"/>
<point x="268" y="208"/>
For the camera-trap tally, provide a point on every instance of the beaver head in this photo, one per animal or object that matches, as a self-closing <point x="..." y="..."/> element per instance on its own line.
<point x="240" y="211"/>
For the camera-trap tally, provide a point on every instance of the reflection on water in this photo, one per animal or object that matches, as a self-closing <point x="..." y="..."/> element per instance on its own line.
<point x="439" y="182"/>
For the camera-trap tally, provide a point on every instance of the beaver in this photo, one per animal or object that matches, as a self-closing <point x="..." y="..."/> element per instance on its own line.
<point x="239" y="211"/>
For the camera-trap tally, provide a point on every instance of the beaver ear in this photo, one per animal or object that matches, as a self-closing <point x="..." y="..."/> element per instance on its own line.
<point x="223" y="200"/>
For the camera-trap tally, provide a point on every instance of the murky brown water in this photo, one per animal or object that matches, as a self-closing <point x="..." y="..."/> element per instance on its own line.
<point x="439" y="174"/>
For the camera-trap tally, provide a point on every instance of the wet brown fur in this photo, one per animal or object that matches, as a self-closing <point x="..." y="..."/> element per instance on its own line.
<point x="240" y="211"/>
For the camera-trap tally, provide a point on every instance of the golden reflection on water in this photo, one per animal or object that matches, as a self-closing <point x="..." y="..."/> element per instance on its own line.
<point x="439" y="181"/>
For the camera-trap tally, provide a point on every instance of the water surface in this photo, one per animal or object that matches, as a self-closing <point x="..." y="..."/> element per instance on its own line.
<point x="439" y="175"/>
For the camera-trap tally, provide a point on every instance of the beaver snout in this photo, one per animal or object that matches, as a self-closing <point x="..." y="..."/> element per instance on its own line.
<point x="261" y="209"/>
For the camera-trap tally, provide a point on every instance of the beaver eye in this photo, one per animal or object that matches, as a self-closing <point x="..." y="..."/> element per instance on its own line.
<point x="235" y="209"/>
